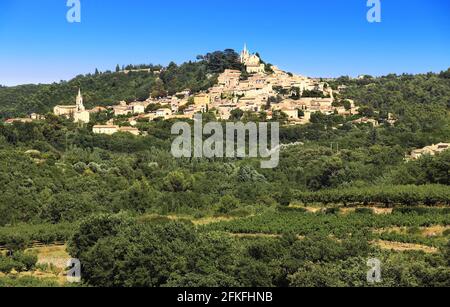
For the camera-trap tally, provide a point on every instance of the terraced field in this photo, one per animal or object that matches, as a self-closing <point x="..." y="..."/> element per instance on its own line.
<point x="427" y="227"/>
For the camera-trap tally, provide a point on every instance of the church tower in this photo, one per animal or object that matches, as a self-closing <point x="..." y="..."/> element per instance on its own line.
<point x="80" y="106"/>
<point x="245" y="54"/>
<point x="81" y="115"/>
<point x="252" y="62"/>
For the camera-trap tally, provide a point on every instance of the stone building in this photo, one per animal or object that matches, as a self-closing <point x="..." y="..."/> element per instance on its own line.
<point x="105" y="129"/>
<point x="229" y="79"/>
<point x="112" y="129"/>
<point x="202" y="99"/>
<point x="77" y="112"/>
<point x="430" y="150"/>
<point x="252" y="62"/>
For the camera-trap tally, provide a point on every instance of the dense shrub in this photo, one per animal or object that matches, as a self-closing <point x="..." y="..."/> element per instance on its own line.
<point x="21" y="236"/>
<point x="364" y="211"/>
<point x="19" y="262"/>
<point x="386" y="195"/>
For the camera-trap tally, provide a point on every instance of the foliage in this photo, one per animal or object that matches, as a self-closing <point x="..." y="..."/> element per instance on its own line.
<point x="323" y="223"/>
<point x="108" y="88"/>
<point x="27" y="282"/>
<point x="149" y="255"/>
<point x="19" y="261"/>
<point x="387" y="195"/>
<point x="55" y="174"/>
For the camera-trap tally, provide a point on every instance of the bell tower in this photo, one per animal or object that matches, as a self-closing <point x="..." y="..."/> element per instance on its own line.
<point x="245" y="54"/>
<point x="80" y="106"/>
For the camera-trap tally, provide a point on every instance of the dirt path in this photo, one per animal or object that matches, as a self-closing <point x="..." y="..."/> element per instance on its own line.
<point x="403" y="247"/>
<point x="55" y="255"/>
<point x="426" y="232"/>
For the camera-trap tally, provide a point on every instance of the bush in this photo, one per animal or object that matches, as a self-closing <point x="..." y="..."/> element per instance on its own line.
<point x="19" y="237"/>
<point x="420" y="210"/>
<point x="28" y="260"/>
<point x="7" y="264"/>
<point x="13" y="241"/>
<point x="365" y="211"/>
<point x="332" y="210"/>
<point x="116" y="253"/>
<point x="227" y="204"/>
<point x="291" y="209"/>
<point x="19" y="261"/>
<point x="26" y="282"/>
<point x="240" y="212"/>
<point x="414" y="230"/>
<point x="447" y="252"/>
<point x="428" y="195"/>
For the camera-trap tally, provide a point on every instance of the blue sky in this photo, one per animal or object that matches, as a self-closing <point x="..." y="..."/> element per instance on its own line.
<point x="309" y="37"/>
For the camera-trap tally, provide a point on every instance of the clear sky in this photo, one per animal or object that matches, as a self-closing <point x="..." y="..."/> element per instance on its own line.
<point x="310" y="37"/>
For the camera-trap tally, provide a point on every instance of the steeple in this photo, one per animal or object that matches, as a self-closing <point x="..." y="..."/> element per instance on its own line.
<point x="80" y="106"/>
<point x="245" y="54"/>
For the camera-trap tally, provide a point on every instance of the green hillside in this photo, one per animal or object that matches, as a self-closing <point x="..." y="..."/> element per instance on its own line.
<point x="108" y="88"/>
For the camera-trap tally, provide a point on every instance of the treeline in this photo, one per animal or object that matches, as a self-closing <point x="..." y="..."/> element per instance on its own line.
<point x="333" y="221"/>
<point x="419" y="104"/>
<point x="410" y="195"/>
<point x="98" y="89"/>
<point x="117" y="251"/>
<point x="20" y="237"/>
<point x="108" y="88"/>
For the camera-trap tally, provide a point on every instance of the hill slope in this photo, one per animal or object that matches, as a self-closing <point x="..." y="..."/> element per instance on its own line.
<point x="108" y="88"/>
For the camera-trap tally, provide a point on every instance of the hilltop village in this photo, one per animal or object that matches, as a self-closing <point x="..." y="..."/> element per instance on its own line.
<point x="260" y="89"/>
